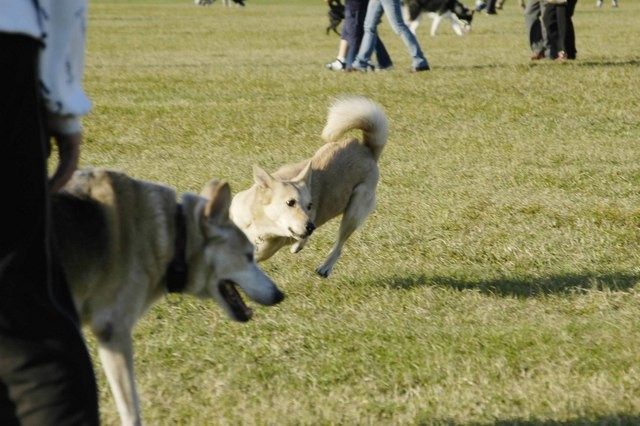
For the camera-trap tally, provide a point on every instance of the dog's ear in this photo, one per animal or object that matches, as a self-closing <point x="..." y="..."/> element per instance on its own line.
<point x="305" y="175"/>
<point x="209" y="188"/>
<point x="217" y="208"/>
<point x="262" y="178"/>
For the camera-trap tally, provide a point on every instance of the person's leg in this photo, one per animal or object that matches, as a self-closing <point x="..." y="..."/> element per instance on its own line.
<point x="46" y="376"/>
<point x="346" y="36"/>
<point x="357" y="13"/>
<point x="561" y="18"/>
<point x="382" y="56"/>
<point x="533" y="27"/>
<point x="570" y="40"/>
<point x="47" y="382"/>
<point x="370" y="36"/>
<point x="394" y="15"/>
<point x="491" y="7"/>
<point x="548" y="53"/>
<point x="549" y="20"/>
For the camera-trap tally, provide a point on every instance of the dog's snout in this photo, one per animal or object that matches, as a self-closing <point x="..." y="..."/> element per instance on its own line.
<point x="310" y="227"/>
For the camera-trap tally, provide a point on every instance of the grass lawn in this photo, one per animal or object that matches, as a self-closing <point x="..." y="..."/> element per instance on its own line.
<point x="497" y="281"/>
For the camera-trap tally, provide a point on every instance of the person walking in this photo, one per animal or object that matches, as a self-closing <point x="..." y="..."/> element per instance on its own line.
<point x="351" y="37"/>
<point x="393" y="12"/>
<point x="46" y="374"/>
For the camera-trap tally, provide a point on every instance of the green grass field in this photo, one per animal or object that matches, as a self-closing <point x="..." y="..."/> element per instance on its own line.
<point x="498" y="280"/>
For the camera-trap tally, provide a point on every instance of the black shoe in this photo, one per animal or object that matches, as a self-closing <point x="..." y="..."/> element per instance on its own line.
<point x="538" y="55"/>
<point x="420" y="68"/>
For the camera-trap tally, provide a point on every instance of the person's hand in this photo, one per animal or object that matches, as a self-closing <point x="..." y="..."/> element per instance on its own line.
<point x="68" y="156"/>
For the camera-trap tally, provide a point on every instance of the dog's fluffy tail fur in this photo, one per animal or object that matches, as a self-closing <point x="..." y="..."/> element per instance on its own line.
<point x="357" y="113"/>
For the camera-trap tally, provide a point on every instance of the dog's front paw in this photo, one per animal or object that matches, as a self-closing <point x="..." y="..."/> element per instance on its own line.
<point x="323" y="271"/>
<point x="298" y="245"/>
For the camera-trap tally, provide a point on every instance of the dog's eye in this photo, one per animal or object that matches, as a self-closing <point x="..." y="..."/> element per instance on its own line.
<point x="291" y="203"/>
<point x="309" y="206"/>
<point x="250" y="257"/>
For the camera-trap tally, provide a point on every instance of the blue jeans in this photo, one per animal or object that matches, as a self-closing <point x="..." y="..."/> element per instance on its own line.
<point x="394" y="15"/>
<point x="382" y="56"/>
<point x="353" y="31"/>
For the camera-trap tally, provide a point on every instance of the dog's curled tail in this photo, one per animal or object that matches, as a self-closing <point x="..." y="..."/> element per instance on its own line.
<point x="361" y="113"/>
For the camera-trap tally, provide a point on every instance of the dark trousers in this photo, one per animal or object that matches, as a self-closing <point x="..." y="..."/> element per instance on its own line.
<point x="46" y="375"/>
<point x="558" y="21"/>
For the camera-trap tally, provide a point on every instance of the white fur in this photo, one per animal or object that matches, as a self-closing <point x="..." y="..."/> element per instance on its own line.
<point x="283" y="208"/>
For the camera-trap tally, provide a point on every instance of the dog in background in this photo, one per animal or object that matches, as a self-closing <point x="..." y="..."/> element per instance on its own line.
<point x="336" y="15"/>
<point x="285" y="207"/>
<point x="456" y="12"/>
<point x="226" y="3"/>
<point x="125" y="243"/>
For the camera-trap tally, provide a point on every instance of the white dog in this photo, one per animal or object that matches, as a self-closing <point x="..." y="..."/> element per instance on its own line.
<point x="125" y="243"/>
<point x="340" y="179"/>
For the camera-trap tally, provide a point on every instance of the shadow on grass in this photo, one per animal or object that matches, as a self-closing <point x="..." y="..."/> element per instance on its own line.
<point x="619" y="420"/>
<point x="524" y="286"/>
<point x="578" y="63"/>
<point x="610" y="420"/>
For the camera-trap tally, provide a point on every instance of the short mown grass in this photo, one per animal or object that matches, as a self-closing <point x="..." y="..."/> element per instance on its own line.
<point x="498" y="280"/>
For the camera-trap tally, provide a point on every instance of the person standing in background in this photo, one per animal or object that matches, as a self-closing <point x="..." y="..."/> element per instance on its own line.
<point x="536" y="31"/>
<point x="558" y="21"/>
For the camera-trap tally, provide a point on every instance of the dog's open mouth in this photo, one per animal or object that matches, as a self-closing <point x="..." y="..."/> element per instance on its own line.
<point x="240" y="311"/>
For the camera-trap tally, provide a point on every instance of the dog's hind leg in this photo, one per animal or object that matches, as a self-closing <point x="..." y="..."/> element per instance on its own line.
<point x="115" y="347"/>
<point x="361" y="203"/>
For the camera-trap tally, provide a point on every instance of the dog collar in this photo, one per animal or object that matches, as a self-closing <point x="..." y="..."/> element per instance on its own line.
<point x="178" y="268"/>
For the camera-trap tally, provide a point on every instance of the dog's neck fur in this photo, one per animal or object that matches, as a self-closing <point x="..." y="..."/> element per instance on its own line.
<point x="254" y="219"/>
<point x="261" y="226"/>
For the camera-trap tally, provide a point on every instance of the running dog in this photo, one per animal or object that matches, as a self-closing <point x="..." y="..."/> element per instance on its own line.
<point x="285" y="207"/>
<point x="125" y="243"/>
<point x="227" y="3"/>
<point x="457" y="13"/>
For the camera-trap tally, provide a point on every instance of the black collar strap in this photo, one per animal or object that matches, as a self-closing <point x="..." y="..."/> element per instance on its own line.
<point x="178" y="268"/>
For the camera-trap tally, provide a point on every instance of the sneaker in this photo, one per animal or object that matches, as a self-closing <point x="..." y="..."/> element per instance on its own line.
<point x="336" y="65"/>
<point x="599" y="3"/>
<point x="562" y="56"/>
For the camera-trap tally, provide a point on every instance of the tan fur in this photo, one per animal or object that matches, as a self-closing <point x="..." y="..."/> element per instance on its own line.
<point x="117" y="238"/>
<point x="285" y="207"/>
